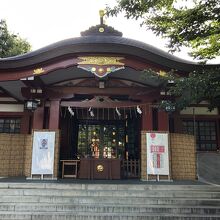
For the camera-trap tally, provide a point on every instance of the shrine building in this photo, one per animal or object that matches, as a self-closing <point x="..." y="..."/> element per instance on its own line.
<point x="94" y="93"/>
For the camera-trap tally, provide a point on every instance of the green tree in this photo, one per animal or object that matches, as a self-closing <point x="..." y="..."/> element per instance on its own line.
<point x="11" y="44"/>
<point x="194" y="24"/>
<point x="199" y="85"/>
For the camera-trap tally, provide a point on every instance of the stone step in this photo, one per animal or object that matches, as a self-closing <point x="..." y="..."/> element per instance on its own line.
<point x="112" y="200"/>
<point x="142" y="186"/>
<point x="100" y="208"/>
<point x="109" y="193"/>
<point x="101" y="216"/>
<point x="53" y="201"/>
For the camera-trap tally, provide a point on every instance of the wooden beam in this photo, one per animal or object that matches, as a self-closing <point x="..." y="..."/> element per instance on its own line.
<point x="143" y="94"/>
<point x="26" y="93"/>
<point x="96" y="91"/>
<point x="87" y="104"/>
<point x="8" y="93"/>
<point x="4" y="95"/>
<point x="36" y="83"/>
<point x="149" y="96"/>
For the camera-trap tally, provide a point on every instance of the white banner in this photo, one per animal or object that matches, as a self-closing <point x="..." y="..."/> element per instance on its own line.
<point x="157" y="154"/>
<point x="43" y="153"/>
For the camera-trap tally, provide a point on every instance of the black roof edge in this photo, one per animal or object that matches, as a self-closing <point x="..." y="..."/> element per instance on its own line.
<point x="101" y="44"/>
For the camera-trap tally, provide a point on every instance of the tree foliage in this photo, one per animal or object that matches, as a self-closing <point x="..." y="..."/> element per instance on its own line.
<point x="203" y="85"/>
<point x="195" y="23"/>
<point x="11" y="44"/>
<point x="199" y="85"/>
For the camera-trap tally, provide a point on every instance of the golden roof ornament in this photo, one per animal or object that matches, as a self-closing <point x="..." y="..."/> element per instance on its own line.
<point x="102" y="28"/>
<point x="101" y="14"/>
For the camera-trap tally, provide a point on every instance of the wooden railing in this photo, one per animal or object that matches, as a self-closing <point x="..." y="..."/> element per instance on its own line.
<point x="130" y="169"/>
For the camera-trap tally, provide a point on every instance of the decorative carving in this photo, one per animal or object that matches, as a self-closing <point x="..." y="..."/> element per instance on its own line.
<point x="107" y="31"/>
<point x="101" y="61"/>
<point x="100" y="66"/>
<point x="101" y="71"/>
<point x="38" y="71"/>
<point x="162" y="73"/>
<point x="101" y="29"/>
<point x="100" y="168"/>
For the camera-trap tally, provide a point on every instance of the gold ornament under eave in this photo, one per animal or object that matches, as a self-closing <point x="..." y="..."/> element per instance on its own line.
<point x="101" y="61"/>
<point x="38" y="71"/>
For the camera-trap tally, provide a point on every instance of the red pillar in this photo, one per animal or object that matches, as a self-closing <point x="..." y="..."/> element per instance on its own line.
<point x="147" y="119"/>
<point x="38" y="118"/>
<point x="163" y="121"/>
<point x="54" y="114"/>
<point x="25" y="122"/>
<point x="178" y="127"/>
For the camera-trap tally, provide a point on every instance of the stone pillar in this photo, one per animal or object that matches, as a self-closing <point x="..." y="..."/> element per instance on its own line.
<point x="163" y="121"/>
<point x="147" y="119"/>
<point x="54" y="114"/>
<point x="38" y="118"/>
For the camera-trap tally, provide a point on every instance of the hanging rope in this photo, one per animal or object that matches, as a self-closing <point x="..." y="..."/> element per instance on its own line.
<point x="116" y="112"/>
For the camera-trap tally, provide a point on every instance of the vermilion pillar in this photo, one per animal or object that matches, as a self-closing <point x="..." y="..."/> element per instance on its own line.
<point x="163" y="121"/>
<point x="147" y="119"/>
<point x="25" y="122"/>
<point x="178" y="123"/>
<point x="54" y="114"/>
<point x="38" y="118"/>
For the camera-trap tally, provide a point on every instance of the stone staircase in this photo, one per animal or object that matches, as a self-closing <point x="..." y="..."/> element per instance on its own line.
<point x="79" y="201"/>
